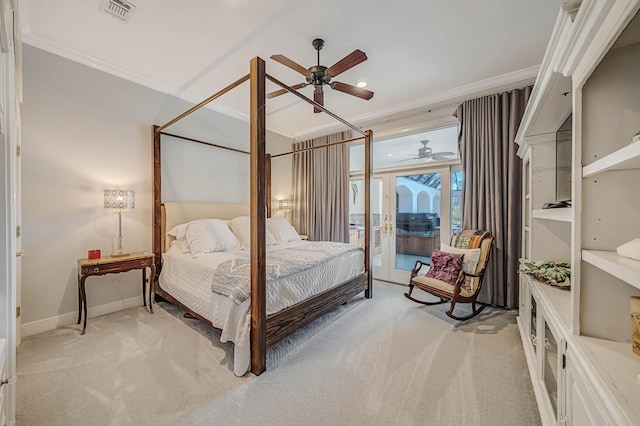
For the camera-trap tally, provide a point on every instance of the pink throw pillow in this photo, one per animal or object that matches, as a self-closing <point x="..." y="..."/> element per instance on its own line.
<point x="445" y="266"/>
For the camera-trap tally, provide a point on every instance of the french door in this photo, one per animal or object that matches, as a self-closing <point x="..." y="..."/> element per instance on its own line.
<point x="411" y="216"/>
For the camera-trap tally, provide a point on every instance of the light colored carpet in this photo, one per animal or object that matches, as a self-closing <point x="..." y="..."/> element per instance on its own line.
<point x="383" y="361"/>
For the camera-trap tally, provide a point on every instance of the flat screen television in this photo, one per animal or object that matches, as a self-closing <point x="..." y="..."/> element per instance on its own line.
<point x="564" y="136"/>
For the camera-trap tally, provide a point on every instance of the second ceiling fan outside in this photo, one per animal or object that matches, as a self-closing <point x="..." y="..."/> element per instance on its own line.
<point x="319" y="75"/>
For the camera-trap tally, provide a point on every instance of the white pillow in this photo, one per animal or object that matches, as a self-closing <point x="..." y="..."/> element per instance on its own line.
<point x="208" y="236"/>
<point x="179" y="232"/>
<point x="470" y="260"/>
<point x="241" y="226"/>
<point x="282" y="229"/>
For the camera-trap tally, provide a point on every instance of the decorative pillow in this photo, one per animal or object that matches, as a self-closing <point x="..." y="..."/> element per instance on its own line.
<point x="241" y="226"/>
<point x="208" y="236"/>
<point x="282" y="229"/>
<point x="471" y="257"/>
<point x="445" y="266"/>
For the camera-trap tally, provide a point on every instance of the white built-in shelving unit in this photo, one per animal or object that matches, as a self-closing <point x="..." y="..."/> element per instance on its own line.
<point x="560" y="214"/>
<point x="577" y="342"/>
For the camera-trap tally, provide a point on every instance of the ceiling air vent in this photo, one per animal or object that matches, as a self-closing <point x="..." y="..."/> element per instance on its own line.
<point x="119" y="8"/>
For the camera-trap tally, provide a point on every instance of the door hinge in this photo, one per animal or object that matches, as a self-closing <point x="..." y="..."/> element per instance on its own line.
<point x="18" y="231"/>
<point x="17" y="311"/>
<point x="564" y="361"/>
<point x="18" y="151"/>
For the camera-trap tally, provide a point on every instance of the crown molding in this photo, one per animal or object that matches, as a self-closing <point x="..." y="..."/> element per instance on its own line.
<point x="109" y="68"/>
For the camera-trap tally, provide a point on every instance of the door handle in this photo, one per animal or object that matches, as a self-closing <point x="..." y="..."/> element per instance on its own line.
<point x="21" y="253"/>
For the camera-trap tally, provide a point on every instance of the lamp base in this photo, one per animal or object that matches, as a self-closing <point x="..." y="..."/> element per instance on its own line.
<point x="117" y="250"/>
<point x="120" y="254"/>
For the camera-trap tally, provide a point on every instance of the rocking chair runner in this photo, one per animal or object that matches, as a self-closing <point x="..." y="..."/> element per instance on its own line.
<point x="467" y="286"/>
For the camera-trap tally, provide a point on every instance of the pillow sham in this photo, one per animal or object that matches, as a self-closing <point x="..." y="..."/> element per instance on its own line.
<point x="178" y="231"/>
<point x="282" y="229"/>
<point x="445" y="266"/>
<point x="241" y="227"/>
<point x="208" y="236"/>
<point x="471" y="257"/>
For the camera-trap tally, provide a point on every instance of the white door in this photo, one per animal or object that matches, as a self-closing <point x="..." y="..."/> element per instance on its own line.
<point x="410" y="212"/>
<point x="9" y="199"/>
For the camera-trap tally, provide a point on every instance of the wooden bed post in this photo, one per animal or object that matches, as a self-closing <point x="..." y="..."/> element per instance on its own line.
<point x="258" y="218"/>
<point x="368" y="158"/>
<point x="157" y="200"/>
<point x="268" y="173"/>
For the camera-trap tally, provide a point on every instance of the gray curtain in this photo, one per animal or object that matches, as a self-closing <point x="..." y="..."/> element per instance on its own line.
<point x="321" y="189"/>
<point x="492" y="188"/>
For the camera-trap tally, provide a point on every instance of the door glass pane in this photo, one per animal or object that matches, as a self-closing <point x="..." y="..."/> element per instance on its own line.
<point x="417" y="218"/>
<point x="456" y="202"/>
<point x="551" y="366"/>
<point x="533" y="325"/>
<point x="356" y="217"/>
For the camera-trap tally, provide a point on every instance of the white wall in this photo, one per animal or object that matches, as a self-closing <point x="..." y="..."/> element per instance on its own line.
<point x="84" y="131"/>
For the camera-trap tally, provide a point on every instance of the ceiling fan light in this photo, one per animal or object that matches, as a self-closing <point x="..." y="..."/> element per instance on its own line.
<point x="362" y="84"/>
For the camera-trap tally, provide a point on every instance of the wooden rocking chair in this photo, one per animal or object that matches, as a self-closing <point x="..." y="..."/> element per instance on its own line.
<point x="468" y="285"/>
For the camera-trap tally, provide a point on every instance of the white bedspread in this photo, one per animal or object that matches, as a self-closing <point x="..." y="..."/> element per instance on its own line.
<point x="190" y="281"/>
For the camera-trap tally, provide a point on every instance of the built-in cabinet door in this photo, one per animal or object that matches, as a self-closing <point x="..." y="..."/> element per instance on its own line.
<point x="582" y="408"/>
<point x="551" y="368"/>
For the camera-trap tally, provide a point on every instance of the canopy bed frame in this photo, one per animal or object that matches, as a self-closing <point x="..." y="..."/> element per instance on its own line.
<point x="267" y="329"/>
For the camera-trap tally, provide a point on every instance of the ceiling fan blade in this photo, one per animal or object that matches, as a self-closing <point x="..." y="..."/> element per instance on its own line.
<point x="406" y="159"/>
<point x="349" y="61"/>
<point x="443" y="153"/>
<point x="318" y="97"/>
<point x="352" y="90"/>
<point x="291" y="64"/>
<point x="283" y="91"/>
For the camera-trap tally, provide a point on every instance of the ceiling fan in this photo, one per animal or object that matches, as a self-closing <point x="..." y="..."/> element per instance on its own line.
<point x="319" y="75"/>
<point x="427" y="152"/>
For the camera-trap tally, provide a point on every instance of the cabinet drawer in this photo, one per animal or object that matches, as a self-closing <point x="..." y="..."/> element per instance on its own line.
<point x="116" y="266"/>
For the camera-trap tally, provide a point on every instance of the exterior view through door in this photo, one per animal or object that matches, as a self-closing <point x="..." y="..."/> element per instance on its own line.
<point x="415" y="204"/>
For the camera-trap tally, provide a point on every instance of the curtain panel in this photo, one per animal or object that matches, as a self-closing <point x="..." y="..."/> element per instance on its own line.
<point x="321" y="188"/>
<point x="492" y="189"/>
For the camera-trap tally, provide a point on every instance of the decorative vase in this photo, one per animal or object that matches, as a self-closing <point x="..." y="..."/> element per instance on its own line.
<point x="635" y="321"/>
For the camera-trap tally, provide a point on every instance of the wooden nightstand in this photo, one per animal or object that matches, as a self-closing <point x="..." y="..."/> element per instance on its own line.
<point x="114" y="265"/>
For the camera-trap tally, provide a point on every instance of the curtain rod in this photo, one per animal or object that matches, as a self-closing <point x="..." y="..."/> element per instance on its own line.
<point x="316" y="147"/>
<point x="205" y="143"/>
<point x="206" y="101"/>
<point x="315" y="104"/>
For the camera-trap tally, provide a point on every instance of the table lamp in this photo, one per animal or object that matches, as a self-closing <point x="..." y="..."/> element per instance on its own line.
<point x="120" y="201"/>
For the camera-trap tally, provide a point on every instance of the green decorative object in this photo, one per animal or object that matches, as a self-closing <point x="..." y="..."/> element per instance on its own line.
<point x="557" y="274"/>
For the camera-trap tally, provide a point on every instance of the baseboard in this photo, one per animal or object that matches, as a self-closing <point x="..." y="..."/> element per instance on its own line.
<point x="52" y="323"/>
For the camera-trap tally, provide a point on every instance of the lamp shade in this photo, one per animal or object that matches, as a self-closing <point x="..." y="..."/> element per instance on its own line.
<point x="119" y="199"/>
<point x="284" y="204"/>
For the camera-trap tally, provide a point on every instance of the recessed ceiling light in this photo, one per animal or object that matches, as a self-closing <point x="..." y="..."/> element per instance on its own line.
<point x="362" y="84"/>
<point x="389" y="155"/>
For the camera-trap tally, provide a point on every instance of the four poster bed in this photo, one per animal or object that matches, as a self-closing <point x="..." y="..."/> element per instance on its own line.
<point x="276" y="294"/>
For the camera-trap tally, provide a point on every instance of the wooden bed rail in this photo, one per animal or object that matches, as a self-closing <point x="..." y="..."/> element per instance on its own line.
<point x="266" y="330"/>
<point x="229" y="88"/>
